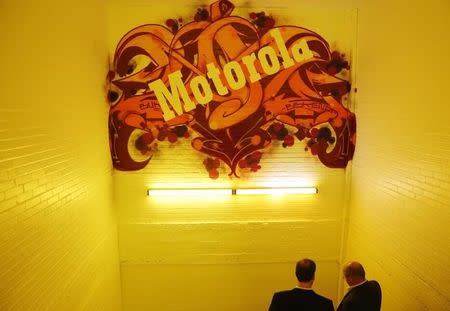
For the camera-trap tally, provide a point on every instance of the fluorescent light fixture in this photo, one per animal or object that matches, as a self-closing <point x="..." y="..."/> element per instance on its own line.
<point x="188" y="192"/>
<point x="277" y="191"/>
<point x="244" y="191"/>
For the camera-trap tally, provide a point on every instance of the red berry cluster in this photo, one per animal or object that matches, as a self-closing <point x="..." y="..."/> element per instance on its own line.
<point x="319" y="135"/>
<point x="262" y="21"/>
<point x="279" y="131"/>
<point x="172" y="134"/>
<point x="201" y="15"/>
<point x="337" y="63"/>
<point x="181" y="131"/>
<point x="251" y="161"/>
<point x="288" y="141"/>
<point x="211" y="166"/>
<point x="174" y="24"/>
<point x="112" y="96"/>
<point x="143" y="142"/>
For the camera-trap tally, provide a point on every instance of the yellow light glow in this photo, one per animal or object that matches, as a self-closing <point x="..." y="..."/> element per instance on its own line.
<point x="188" y="192"/>
<point x="276" y="191"/>
<point x="245" y="191"/>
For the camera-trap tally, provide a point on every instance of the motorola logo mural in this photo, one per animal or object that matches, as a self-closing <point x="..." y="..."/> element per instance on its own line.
<point x="231" y="85"/>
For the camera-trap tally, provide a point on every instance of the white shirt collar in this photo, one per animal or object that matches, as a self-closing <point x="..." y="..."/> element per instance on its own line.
<point x="304" y="288"/>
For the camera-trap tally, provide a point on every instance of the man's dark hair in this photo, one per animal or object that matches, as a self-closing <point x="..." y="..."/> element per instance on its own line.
<point x="355" y="269"/>
<point x="305" y="270"/>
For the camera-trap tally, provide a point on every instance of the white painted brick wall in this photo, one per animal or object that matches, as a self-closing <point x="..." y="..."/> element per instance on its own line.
<point x="212" y="250"/>
<point x="400" y="194"/>
<point x="58" y="238"/>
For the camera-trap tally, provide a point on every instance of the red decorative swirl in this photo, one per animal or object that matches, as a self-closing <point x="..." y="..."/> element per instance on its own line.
<point x="234" y="128"/>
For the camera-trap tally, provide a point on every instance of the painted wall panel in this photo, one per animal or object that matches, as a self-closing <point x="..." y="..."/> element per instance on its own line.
<point x="58" y="235"/>
<point x="232" y="242"/>
<point x="399" y="211"/>
<point x="221" y="287"/>
<point x="232" y="253"/>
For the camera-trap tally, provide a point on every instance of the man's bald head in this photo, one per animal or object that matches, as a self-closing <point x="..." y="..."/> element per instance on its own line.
<point x="354" y="273"/>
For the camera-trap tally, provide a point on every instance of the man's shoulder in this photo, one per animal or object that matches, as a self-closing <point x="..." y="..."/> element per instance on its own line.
<point x="303" y="298"/>
<point x="284" y="295"/>
<point x="373" y="283"/>
<point x="374" y="287"/>
<point x="323" y="299"/>
<point x="322" y="303"/>
<point x="370" y="286"/>
<point x="306" y="293"/>
<point x="286" y="292"/>
<point x="368" y="289"/>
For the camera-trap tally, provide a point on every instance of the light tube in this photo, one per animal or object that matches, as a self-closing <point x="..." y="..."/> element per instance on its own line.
<point x="244" y="191"/>
<point x="276" y="191"/>
<point x="188" y="192"/>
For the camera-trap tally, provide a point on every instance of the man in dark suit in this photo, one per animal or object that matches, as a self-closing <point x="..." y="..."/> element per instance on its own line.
<point x="363" y="295"/>
<point x="301" y="298"/>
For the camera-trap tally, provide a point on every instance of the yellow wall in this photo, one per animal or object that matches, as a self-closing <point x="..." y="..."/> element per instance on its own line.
<point x="230" y="253"/>
<point x="233" y="252"/>
<point x="58" y="242"/>
<point x="400" y="193"/>
<point x="58" y="238"/>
